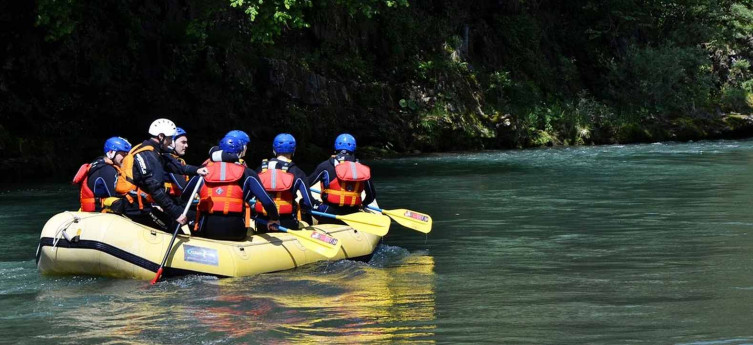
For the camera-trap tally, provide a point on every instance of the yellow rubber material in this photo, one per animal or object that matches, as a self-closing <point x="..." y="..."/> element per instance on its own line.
<point x="114" y="246"/>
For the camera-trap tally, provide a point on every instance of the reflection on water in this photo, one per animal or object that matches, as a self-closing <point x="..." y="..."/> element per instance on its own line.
<point x="340" y="302"/>
<point x="351" y="303"/>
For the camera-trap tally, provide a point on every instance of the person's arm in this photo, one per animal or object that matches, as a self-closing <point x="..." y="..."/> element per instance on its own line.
<point x="253" y="188"/>
<point x="301" y="184"/>
<point x="178" y="180"/>
<point x="370" y="193"/>
<point x="306" y="201"/>
<point x="173" y="165"/>
<point x="190" y="185"/>
<point x="217" y="155"/>
<point x="320" y="174"/>
<point x="154" y="187"/>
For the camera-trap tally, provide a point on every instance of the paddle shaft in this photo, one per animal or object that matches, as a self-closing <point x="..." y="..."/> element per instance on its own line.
<point x="318" y="242"/>
<point x="328" y="215"/>
<point x="277" y="226"/>
<point x="375" y="209"/>
<point x="175" y="233"/>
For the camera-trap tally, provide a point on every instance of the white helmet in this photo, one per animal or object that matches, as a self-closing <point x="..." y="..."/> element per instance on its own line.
<point x="162" y="126"/>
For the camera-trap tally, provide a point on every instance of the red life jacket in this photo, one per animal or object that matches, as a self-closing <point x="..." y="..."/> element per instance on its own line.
<point x="89" y="202"/>
<point x="278" y="183"/>
<point x="86" y="196"/>
<point x="221" y="191"/>
<point x="345" y="190"/>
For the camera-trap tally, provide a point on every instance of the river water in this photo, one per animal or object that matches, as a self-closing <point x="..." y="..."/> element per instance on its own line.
<point x="611" y="244"/>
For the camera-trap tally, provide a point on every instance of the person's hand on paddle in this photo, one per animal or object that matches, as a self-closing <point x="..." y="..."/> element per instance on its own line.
<point x="202" y="171"/>
<point x="182" y="219"/>
<point x="272" y="225"/>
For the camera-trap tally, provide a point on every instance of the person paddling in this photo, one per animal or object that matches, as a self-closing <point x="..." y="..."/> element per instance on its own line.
<point x="283" y="180"/>
<point x="343" y="180"/>
<point x="224" y="211"/>
<point x="142" y="177"/>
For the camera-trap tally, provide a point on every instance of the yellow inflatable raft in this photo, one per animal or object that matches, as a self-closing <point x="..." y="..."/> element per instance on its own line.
<point x="103" y="244"/>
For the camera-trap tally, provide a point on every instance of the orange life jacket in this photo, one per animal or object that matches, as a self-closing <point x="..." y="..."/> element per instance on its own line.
<point x="125" y="183"/>
<point x="346" y="188"/>
<point x="278" y="183"/>
<point x="172" y="188"/>
<point x="221" y="191"/>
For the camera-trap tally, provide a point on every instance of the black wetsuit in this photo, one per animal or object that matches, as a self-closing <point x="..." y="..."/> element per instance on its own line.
<point x="101" y="180"/>
<point x="177" y="180"/>
<point x="325" y="172"/>
<point x="300" y="184"/>
<point x="149" y="172"/>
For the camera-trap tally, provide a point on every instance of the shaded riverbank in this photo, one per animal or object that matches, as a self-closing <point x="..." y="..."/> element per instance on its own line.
<point x="401" y="76"/>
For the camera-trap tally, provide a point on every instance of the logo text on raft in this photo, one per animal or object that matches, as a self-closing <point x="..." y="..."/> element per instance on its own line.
<point x="418" y="216"/>
<point x="324" y="238"/>
<point x="206" y="256"/>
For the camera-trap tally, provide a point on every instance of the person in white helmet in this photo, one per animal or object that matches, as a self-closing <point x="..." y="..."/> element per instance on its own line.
<point x="143" y="174"/>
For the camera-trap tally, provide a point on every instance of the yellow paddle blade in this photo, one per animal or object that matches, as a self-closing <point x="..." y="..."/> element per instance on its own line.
<point x="317" y="241"/>
<point x="411" y="219"/>
<point x="371" y="223"/>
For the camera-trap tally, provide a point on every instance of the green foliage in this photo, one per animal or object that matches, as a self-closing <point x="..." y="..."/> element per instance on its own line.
<point x="667" y="80"/>
<point x="736" y="99"/>
<point x="59" y="17"/>
<point x="272" y="17"/>
<point x="735" y="21"/>
<point x="527" y="74"/>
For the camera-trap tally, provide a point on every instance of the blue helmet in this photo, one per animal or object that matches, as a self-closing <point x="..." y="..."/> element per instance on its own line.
<point x="239" y="135"/>
<point x="179" y="132"/>
<point x="117" y="144"/>
<point x="345" y="142"/>
<point x="231" y="144"/>
<point x="284" y="143"/>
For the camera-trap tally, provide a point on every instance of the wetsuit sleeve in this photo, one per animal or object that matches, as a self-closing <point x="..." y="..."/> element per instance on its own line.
<point x="173" y="165"/>
<point x="178" y="180"/>
<point x="153" y="187"/>
<point x="320" y="174"/>
<point x="370" y="193"/>
<point x="190" y="185"/>
<point x="189" y="170"/>
<point x="217" y="155"/>
<point x="301" y="184"/>
<point x="252" y="188"/>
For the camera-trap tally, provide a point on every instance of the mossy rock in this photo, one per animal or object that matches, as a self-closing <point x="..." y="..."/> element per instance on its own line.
<point x="630" y="133"/>
<point x="738" y="125"/>
<point x="688" y="129"/>
<point x="737" y="122"/>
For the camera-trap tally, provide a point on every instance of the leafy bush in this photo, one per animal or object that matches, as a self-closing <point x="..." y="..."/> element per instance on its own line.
<point x="666" y="80"/>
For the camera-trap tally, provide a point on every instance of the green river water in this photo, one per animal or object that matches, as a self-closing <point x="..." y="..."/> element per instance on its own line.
<point x="612" y="244"/>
